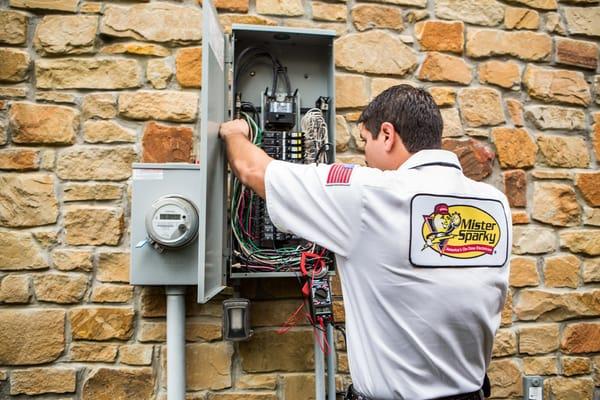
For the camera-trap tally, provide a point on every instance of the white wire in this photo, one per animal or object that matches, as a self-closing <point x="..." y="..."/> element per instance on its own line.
<point x="314" y="127"/>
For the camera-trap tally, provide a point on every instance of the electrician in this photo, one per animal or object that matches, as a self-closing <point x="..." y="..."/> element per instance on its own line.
<point x="422" y="251"/>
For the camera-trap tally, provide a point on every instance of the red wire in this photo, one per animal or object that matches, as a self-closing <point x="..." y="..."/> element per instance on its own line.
<point x="291" y="321"/>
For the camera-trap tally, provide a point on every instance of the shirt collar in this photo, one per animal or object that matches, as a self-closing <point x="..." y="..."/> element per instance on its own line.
<point x="430" y="156"/>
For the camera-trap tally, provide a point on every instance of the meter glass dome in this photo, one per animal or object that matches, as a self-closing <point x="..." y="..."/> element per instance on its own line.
<point x="172" y="222"/>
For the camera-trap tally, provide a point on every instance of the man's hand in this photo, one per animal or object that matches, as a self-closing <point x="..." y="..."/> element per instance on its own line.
<point x="235" y="127"/>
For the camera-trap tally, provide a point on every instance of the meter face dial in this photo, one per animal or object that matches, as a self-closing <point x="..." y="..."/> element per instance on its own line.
<point x="172" y="222"/>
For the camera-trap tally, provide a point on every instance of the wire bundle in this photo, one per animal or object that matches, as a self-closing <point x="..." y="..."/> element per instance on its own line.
<point x="315" y="136"/>
<point x="253" y="257"/>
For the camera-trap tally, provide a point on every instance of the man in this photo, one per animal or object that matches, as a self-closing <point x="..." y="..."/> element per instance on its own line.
<point x="422" y="251"/>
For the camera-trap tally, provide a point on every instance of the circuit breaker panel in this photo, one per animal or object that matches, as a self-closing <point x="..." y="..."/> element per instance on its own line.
<point x="283" y="85"/>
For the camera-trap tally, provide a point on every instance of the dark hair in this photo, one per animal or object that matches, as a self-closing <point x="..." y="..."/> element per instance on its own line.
<point x="413" y="113"/>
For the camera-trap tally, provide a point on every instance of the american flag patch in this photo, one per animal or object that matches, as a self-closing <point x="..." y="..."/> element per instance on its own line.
<point x="339" y="174"/>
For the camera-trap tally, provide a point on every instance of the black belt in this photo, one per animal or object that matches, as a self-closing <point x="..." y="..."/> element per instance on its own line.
<point x="352" y="394"/>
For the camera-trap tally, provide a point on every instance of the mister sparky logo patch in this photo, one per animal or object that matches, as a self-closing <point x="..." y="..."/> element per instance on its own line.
<point x="451" y="231"/>
<point x="460" y="231"/>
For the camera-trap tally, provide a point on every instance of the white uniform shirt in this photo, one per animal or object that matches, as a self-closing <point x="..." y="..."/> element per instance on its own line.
<point x="413" y="331"/>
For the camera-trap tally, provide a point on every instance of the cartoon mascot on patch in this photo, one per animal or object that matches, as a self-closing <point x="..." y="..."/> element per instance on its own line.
<point x="441" y="223"/>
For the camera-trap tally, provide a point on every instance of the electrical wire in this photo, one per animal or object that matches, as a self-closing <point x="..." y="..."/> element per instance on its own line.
<point x="253" y="257"/>
<point x="315" y="131"/>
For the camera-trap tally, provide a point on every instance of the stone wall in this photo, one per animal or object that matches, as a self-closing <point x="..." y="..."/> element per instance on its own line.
<point x="87" y="87"/>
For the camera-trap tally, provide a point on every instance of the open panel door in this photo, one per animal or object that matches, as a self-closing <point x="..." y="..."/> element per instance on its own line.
<point x="212" y="248"/>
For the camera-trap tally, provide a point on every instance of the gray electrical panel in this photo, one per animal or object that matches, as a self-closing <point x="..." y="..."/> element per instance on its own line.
<point x="206" y="259"/>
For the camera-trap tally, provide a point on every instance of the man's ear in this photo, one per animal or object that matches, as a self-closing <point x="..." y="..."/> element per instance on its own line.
<point x="389" y="135"/>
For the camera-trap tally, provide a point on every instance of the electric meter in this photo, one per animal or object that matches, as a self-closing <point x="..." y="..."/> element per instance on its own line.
<point x="171" y="222"/>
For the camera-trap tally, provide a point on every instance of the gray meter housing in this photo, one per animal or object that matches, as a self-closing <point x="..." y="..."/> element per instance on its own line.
<point x="169" y="230"/>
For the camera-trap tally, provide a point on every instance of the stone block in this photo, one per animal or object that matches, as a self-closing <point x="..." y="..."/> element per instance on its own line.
<point x="482" y="12"/>
<point x="557" y="85"/>
<point x="188" y="63"/>
<point x="596" y="127"/>
<point x="588" y="184"/>
<point x="107" y="293"/>
<point x="560" y="388"/>
<point x="72" y="260"/>
<point x="13" y="27"/>
<point x="148" y="21"/>
<point x="35" y="381"/>
<point x="552" y="306"/>
<point x="562" y="271"/>
<point x="113" y="266"/>
<point x="555" y="204"/>
<point x="66" y="34"/>
<point x="229" y="19"/>
<point x="572" y="366"/>
<point x="555" y="24"/>
<point x="577" y="52"/>
<point x="533" y="240"/>
<point x="581" y="337"/>
<point x="521" y="18"/>
<point x="287" y="8"/>
<point x="19" y="159"/>
<point x="18" y="250"/>
<point x="136" y="354"/>
<point x="167" y="143"/>
<point x="159" y="73"/>
<point x="476" y="159"/>
<point x="520" y="218"/>
<point x="525" y="45"/>
<point x="515" y="187"/>
<point x="203" y="331"/>
<point x="351" y="91"/>
<point x="514" y="147"/>
<point x="136" y="48"/>
<point x="505" y="378"/>
<point x="443" y="96"/>
<point x="591" y="270"/>
<point x="371" y="16"/>
<point x="539" y="4"/>
<point x="585" y="241"/>
<point x="160" y="105"/>
<point x="14" y="289"/>
<point x="342" y="134"/>
<point x="99" y="105"/>
<point x="92" y="191"/>
<point x="96" y="163"/>
<point x="441" y="36"/>
<point x="298" y="387"/>
<point x="152" y="332"/>
<point x="504" y="74"/>
<point x="360" y="52"/>
<point x="107" y="132"/>
<point x="208" y="366"/>
<point x="438" y="67"/>
<point x="93" y="225"/>
<point x="87" y="73"/>
<point x="564" y="152"/>
<point x="540" y="365"/>
<point x="523" y="272"/>
<point x="52" y="96"/>
<point x="14" y="65"/>
<point x="480" y="106"/>
<point x="43" y="124"/>
<point x="119" y="383"/>
<point x="555" y="117"/>
<point x="538" y="339"/>
<point x="330" y="12"/>
<point x="44" y="341"/>
<point x="101" y="323"/>
<point x="60" y="288"/>
<point x="267" y="351"/>
<point x="583" y="20"/>
<point x="591" y="216"/>
<point x="92" y="352"/>
<point x="505" y="343"/>
<point x="262" y="381"/>
<point x="27" y="200"/>
<point x="55" y="5"/>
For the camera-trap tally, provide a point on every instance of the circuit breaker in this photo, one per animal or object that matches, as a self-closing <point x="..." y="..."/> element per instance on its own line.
<point x="281" y="80"/>
<point x="168" y="233"/>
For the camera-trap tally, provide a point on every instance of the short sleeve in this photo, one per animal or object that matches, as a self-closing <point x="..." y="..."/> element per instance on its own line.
<point x="315" y="202"/>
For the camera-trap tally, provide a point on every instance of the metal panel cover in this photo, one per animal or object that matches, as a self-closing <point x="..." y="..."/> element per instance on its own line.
<point x="211" y="268"/>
